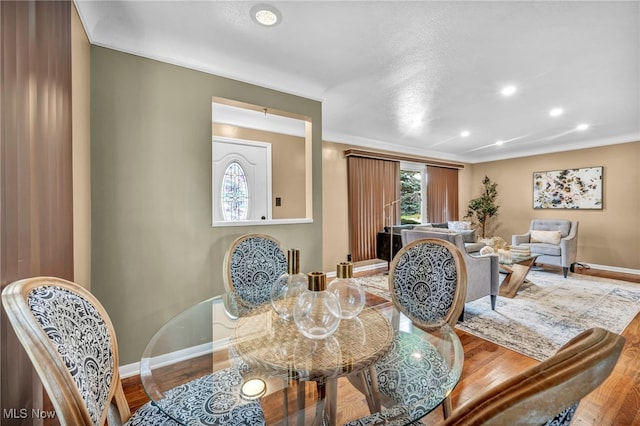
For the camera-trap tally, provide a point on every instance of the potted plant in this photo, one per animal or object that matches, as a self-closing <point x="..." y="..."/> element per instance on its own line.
<point x="481" y="209"/>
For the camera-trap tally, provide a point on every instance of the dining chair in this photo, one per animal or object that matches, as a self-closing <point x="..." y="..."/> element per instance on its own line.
<point x="548" y="393"/>
<point x="71" y="342"/>
<point x="252" y="264"/>
<point x="428" y="283"/>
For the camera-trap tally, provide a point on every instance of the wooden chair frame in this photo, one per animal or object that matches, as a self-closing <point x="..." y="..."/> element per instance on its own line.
<point x="66" y="399"/>
<point x="540" y="393"/>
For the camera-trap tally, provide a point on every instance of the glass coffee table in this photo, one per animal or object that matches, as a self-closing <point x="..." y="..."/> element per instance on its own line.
<point x="516" y="269"/>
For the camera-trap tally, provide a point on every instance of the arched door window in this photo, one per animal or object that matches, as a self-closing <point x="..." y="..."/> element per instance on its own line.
<point x="235" y="193"/>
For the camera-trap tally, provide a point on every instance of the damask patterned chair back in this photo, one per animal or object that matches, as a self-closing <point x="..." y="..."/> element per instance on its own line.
<point x="252" y="264"/>
<point x="428" y="281"/>
<point x="548" y="393"/>
<point x="71" y="343"/>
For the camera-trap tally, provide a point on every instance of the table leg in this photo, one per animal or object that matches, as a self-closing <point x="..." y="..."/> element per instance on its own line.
<point x="366" y="390"/>
<point x="332" y="400"/>
<point x="301" y="402"/>
<point x="326" y="408"/>
<point x="285" y="403"/>
<point x="375" y="392"/>
<point x="516" y="275"/>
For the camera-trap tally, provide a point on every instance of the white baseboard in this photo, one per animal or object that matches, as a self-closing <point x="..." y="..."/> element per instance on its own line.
<point x="371" y="267"/>
<point x="612" y="268"/>
<point x="130" y="370"/>
<point x="375" y="266"/>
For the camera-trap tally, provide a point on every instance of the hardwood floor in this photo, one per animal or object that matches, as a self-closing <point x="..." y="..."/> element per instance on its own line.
<point x="615" y="402"/>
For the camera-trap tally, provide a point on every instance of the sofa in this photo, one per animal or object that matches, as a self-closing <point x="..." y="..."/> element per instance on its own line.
<point x="556" y="240"/>
<point x="384" y="240"/>
<point x="471" y="245"/>
<point x="482" y="270"/>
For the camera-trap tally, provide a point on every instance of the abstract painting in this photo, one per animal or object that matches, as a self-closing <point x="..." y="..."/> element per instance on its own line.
<point x="568" y="189"/>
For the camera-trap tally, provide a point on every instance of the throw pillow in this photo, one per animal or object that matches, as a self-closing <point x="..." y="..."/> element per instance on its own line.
<point x="469" y="235"/>
<point x="442" y="230"/>
<point x="459" y="225"/>
<point x="547" y="237"/>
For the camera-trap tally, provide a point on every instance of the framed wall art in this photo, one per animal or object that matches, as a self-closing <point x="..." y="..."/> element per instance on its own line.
<point x="568" y="189"/>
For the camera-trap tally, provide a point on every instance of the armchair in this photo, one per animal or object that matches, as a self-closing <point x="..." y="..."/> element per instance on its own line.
<point x="550" y="390"/>
<point x="542" y="237"/>
<point x="482" y="271"/>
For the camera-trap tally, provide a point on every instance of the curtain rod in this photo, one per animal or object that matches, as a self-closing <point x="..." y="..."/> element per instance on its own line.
<point x="354" y="152"/>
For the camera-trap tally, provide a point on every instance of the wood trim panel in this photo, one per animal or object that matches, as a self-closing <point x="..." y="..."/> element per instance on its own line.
<point x="379" y="155"/>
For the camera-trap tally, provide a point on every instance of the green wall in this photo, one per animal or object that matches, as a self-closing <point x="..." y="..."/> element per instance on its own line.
<point x="154" y="252"/>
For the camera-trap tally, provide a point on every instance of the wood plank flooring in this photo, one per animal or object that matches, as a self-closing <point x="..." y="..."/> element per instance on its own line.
<point x="615" y="402"/>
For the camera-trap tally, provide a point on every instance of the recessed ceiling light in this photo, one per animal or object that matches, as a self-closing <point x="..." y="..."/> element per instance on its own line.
<point x="265" y="14"/>
<point x="508" y="90"/>
<point x="556" y="112"/>
<point x="499" y="143"/>
<point x="582" y="126"/>
<point x="465" y="133"/>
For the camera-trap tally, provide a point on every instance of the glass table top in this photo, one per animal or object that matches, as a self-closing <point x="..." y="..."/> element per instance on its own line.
<point x="219" y="358"/>
<point x="511" y="259"/>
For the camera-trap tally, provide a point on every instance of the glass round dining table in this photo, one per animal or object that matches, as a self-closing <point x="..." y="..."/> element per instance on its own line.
<point x="222" y="362"/>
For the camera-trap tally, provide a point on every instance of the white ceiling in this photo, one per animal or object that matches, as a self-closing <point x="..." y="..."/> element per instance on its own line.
<point x="410" y="76"/>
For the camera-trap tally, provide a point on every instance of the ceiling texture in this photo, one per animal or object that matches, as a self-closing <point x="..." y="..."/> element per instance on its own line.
<point x="412" y="76"/>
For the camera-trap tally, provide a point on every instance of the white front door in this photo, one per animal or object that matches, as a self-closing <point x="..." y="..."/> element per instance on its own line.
<point x="254" y="158"/>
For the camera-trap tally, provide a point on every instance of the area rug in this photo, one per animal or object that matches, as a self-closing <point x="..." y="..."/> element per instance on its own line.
<point x="546" y="313"/>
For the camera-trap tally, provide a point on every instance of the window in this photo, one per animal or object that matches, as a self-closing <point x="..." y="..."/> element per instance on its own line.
<point x="411" y="193"/>
<point x="235" y="193"/>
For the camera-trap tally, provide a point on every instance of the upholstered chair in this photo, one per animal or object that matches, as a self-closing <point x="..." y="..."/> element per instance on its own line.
<point x="251" y="266"/>
<point x="428" y="284"/>
<point x="548" y="393"/>
<point x="556" y="240"/>
<point x="434" y="264"/>
<point x="71" y="342"/>
<point x="483" y="277"/>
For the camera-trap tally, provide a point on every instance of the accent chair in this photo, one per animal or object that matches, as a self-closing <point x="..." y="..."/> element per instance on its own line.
<point x="555" y="239"/>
